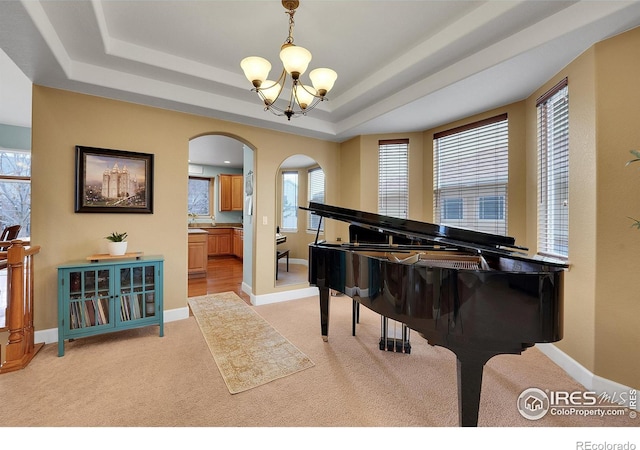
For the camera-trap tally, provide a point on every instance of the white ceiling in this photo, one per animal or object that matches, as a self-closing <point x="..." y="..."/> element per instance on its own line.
<point x="402" y="65"/>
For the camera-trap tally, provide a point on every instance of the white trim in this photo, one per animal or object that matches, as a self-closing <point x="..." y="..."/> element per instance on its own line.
<point x="580" y="373"/>
<point x="283" y="296"/>
<point x="302" y="262"/>
<point x="50" y="335"/>
<point x="246" y="288"/>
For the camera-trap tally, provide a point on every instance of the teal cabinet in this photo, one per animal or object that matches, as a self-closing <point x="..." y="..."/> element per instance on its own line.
<point x="107" y="296"/>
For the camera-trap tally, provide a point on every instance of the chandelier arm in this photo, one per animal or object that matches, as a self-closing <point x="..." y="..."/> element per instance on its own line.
<point x="311" y="93"/>
<point x="293" y="97"/>
<point x="281" y="77"/>
<point x="259" y="90"/>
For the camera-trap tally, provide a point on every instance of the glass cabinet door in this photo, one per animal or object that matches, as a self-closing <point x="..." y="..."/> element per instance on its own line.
<point x="88" y="298"/>
<point x="137" y="292"/>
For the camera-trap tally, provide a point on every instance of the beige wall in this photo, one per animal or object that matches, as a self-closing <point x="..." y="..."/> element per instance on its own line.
<point x="601" y="293"/>
<point x="617" y="252"/>
<point x="579" y="293"/>
<point x="62" y="120"/>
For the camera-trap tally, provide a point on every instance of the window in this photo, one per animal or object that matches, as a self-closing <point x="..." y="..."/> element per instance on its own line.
<point x="200" y="196"/>
<point x="316" y="194"/>
<point x="452" y="209"/>
<point x="15" y="190"/>
<point x="491" y="208"/>
<point x="470" y="175"/>
<point x="553" y="171"/>
<point x="289" y="201"/>
<point x="393" y="178"/>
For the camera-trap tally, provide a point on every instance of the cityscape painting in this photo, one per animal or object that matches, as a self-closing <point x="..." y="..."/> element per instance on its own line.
<point x="113" y="181"/>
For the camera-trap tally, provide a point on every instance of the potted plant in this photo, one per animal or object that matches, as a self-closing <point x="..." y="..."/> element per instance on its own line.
<point x="117" y="243"/>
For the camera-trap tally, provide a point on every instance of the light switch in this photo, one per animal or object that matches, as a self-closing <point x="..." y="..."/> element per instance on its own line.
<point x="264" y="220"/>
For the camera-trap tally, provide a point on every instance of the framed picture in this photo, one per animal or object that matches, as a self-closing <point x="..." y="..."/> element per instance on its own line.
<point x="113" y="181"/>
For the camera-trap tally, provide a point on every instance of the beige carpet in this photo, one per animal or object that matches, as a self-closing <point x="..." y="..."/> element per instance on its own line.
<point x="248" y="351"/>
<point x="134" y="378"/>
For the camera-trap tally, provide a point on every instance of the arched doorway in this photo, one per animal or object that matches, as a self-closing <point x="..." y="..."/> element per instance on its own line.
<point x="299" y="180"/>
<point x="220" y="166"/>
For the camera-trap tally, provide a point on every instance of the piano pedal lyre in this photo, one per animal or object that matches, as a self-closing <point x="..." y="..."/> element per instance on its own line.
<point x="398" y="340"/>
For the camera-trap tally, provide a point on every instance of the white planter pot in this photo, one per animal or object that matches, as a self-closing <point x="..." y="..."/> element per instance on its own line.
<point x="117" y="248"/>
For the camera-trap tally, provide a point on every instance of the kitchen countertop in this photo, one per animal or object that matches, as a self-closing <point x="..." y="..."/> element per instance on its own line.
<point x="205" y="226"/>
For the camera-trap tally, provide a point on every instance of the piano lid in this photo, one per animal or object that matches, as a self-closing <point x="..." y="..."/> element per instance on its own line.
<point x="437" y="234"/>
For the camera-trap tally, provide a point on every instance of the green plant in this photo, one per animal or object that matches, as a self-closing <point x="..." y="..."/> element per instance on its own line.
<point x="636" y="153"/>
<point x="117" y="237"/>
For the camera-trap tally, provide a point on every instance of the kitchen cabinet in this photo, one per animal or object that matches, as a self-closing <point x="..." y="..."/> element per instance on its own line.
<point x="219" y="241"/>
<point x="238" y="237"/>
<point x="198" y="253"/>
<point x="231" y="195"/>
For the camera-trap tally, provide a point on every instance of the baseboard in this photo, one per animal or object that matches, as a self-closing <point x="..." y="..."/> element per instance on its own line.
<point x="283" y="296"/>
<point x="581" y="374"/>
<point x="50" y="335"/>
<point x="246" y="288"/>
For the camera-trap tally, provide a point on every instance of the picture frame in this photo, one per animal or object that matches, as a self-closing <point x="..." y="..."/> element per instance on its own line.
<point x="113" y="181"/>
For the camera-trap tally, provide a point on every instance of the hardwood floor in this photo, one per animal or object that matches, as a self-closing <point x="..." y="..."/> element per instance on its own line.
<point x="224" y="273"/>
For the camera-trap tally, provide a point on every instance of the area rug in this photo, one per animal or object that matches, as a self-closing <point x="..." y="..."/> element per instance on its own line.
<point x="248" y="351"/>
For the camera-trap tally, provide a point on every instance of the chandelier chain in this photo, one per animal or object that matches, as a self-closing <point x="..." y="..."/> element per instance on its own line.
<point x="289" y="40"/>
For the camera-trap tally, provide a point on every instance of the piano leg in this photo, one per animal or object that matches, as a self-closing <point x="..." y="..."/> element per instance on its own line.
<point x="324" y="312"/>
<point x="469" y="386"/>
<point x="470" y="364"/>
<point x="355" y="316"/>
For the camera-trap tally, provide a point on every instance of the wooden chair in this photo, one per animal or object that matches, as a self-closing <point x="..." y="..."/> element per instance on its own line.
<point x="8" y="234"/>
<point x="282" y="254"/>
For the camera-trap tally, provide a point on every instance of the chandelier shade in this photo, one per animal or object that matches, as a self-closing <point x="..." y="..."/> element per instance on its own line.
<point x="323" y="79"/>
<point x="295" y="61"/>
<point x="270" y="92"/>
<point x="305" y="95"/>
<point x="256" y="69"/>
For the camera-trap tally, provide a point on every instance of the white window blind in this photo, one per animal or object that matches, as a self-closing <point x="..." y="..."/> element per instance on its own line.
<point x="470" y="176"/>
<point x="290" y="201"/>
<point x="393" y="178"/>
<point x="316" y="194"/>
<point x="553" y="171"/>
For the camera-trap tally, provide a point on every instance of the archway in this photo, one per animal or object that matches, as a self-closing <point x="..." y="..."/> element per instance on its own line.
<point x="299" y="179"/>
<point x="216" y="158"/>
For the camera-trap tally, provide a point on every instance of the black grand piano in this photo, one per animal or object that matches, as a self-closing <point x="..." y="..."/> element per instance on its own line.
<point x="477" y="294"/>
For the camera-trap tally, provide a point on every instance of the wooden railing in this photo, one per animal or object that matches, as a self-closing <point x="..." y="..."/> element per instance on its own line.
<point x="20" y="348"/>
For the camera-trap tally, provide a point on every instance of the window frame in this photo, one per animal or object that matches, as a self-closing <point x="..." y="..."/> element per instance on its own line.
<point x="553" y="171"/>
<point x="393" y="170"/>
<point x="21" y="179"/>
<point x="471" y="162"/>
<point x="311" y="218"/>
<point x="282" y="226"/>
<point x="210" y="194"/>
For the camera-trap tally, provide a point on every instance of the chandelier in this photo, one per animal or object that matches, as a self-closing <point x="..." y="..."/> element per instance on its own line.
<point x="303" y="98"/>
